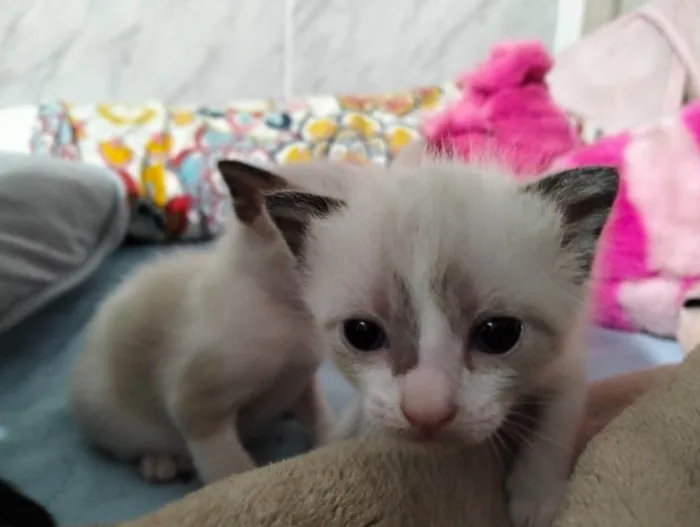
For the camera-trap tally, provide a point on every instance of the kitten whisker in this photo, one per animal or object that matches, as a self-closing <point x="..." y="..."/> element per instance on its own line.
<point x="500" y="448"/>
<point x="525" y="430"/>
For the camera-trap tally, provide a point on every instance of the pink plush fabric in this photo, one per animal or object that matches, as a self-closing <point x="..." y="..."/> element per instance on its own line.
<point x="650" y="255"/>
<point x="506" y="111"/>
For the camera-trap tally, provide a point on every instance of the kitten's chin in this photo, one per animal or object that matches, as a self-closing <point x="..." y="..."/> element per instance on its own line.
<point x="461" y="434"/>
<point x="427" y="437"/>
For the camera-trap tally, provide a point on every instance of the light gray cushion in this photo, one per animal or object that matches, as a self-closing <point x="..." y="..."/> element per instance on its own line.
<point x="58" y="220"/>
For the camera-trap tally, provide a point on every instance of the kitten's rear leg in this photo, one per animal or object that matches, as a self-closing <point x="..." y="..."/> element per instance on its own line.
<point x="146" y="441"/>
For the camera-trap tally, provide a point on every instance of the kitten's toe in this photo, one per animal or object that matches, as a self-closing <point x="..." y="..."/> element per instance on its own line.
<point x="158" y="468"/>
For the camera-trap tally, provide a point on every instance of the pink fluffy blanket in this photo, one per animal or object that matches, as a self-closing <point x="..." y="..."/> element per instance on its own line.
<point x="650" y="253"/>
<point x="650" y="257"/>
<point x="506" y="109"/>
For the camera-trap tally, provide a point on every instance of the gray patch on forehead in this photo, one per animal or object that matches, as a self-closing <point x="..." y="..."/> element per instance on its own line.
<point x="404" y="329"/>
<point x="454" y="296"/>
<point x="457" y="299"/>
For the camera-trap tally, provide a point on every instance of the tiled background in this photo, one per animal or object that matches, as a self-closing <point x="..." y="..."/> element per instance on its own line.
<point x="218" y="50"/>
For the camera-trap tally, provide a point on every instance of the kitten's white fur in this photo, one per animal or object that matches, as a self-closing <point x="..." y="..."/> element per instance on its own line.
<point x="423" y="220"/>
<point x="194" y="350"/>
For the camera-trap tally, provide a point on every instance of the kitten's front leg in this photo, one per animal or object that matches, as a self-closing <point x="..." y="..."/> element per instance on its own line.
<point x="209" y="428"/>
<point x="538" y="480"/>
<point x="203" y="404"/>
<point x="220" y="453"/>
<point x="313" y="413"/>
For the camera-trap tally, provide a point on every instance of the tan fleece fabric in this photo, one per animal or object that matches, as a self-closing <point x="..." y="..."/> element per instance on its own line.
<point x="643" y="470"/>
<point x="609" y="397"/>
<point x="384" y="483"/>
<point x="353" y="484"/>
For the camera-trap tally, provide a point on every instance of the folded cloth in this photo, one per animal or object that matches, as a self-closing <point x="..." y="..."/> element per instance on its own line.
<point x="166" y="156"/>
<point x="59" y="221"/>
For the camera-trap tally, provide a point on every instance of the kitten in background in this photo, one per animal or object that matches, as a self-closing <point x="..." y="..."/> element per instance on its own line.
<point x="200" y="348"/>
<point x="455" y="300"/>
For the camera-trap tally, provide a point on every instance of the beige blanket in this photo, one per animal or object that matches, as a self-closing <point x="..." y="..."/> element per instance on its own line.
<point x="642" y="470"/>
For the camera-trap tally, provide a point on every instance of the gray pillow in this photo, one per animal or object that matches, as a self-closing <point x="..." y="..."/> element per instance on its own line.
<point x="58" y="221"/>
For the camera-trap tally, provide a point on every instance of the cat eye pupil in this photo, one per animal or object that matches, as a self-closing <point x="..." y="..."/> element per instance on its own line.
<point x="364" y="335"/>
<point x="497" y="335"/>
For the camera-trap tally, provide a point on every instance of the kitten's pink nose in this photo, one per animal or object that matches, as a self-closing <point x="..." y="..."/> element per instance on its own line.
<point x="430" y="422"/>
<point x="428" y="400"/>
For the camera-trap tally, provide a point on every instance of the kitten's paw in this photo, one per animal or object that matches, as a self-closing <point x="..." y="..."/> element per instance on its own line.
<point x="531" y="511"/>
<point x="159" y="468"/>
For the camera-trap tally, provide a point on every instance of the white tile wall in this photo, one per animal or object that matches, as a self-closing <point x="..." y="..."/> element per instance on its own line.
<point x="359" y="45"/>
<point x="217" y="50"/>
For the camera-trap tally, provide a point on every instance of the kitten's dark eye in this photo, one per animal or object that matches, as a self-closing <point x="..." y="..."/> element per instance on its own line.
<point x="497" y="335"/>
<point x="364" y="335"/>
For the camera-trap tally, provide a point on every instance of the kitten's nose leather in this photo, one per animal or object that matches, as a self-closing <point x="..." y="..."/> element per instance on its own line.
<point x="431" y="422"/>
<point x="427" y="399"/>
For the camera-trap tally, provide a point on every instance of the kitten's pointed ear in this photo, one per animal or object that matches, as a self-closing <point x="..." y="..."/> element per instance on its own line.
<point x="293" y="212"/>
<point x="412" y="154"/>
<point x="253" y="188"/>
<point x="585" y="197"/>
<point x="246" y="183"/>
<point x="237" y="174"/>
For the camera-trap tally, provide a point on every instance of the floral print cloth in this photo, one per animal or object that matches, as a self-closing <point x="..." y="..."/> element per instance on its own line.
<point x="166" y="156"/>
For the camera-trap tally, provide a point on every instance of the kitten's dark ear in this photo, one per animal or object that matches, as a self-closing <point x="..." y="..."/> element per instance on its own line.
<point x="246" y="183"/>
<point x="292" y="211"/>
<point x="253" y="187"/>
<point x="585" y="196"/>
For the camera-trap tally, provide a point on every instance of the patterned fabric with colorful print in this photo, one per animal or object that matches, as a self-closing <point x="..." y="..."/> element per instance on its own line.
<point x="166" y="156"/>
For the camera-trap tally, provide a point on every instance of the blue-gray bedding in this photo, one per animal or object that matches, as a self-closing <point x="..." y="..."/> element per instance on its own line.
<point x="43" y="453"/>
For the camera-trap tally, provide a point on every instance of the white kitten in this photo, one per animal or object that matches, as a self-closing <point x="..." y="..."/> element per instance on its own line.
<point x="199" y="347"/>
<point x="455" y="300"/>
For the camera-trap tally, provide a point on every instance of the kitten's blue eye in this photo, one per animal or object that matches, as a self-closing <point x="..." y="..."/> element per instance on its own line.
<point x="497" y="335"/>
<point x="364" y="335"/>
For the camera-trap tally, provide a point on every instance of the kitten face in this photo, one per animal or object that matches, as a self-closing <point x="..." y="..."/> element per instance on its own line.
<point x="447" y="292"/>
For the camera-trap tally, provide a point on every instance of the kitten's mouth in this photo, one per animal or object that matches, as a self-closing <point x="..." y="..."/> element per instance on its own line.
<point x="450" y="435"/>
